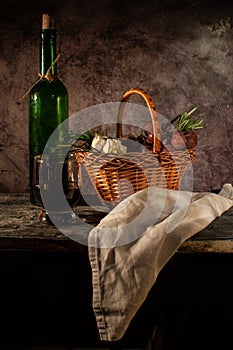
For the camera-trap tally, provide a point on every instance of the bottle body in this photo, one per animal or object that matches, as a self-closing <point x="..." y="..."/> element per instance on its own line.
<point x="48" y="103"/>
<point x="48" y="107"/>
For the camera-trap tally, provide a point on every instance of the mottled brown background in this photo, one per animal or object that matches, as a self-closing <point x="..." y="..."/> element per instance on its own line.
<point x="179" y="51"/>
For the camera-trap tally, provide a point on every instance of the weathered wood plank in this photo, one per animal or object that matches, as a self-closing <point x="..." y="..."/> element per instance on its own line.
<point x="20" y="230"/>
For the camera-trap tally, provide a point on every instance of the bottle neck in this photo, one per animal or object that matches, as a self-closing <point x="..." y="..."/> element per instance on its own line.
<point x="48" y="52"/>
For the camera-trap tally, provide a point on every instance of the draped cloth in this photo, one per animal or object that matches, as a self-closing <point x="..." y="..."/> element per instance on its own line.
<point x="131" y="245"/>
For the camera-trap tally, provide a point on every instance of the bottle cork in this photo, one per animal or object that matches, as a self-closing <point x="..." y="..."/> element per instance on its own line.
<point x="48" y="21"/>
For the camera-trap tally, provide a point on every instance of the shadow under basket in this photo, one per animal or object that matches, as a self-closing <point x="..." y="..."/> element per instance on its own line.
<point x="117" y="176"/>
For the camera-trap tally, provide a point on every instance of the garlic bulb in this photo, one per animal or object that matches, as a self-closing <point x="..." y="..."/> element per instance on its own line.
<point x="106" y="145"/>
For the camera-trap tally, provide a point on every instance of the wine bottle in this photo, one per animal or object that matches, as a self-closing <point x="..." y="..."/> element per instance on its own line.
<point x="48" y="99"/>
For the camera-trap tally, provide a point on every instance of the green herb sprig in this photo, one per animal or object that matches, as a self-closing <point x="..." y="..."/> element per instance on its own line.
<point x="186" y="124"/>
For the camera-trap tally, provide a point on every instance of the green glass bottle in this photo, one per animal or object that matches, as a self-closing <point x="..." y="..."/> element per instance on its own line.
<point x="48" y="99"/>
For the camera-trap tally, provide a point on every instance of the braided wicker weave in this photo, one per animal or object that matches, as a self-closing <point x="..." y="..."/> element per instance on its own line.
<point x="116" y="176"/>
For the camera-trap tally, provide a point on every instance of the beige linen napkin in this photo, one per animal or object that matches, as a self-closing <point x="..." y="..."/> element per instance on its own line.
<point x="130" y="246"/>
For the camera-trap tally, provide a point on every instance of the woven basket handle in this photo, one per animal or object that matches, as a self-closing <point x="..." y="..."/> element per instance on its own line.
<point x="153" y="113"/>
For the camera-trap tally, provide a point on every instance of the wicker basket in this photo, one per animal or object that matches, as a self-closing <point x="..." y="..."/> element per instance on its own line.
<point x="116" y="176"/>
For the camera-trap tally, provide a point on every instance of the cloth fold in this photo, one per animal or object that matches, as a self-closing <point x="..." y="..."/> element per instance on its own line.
<point x="131" y="245"/>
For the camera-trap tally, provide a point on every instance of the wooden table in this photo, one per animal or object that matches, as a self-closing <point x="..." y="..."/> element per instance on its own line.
<point x="46" y="287"/>
<point x="20" y="229"/>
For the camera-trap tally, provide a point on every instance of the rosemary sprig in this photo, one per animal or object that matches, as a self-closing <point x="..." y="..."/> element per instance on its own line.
<point x="185" y="123"/>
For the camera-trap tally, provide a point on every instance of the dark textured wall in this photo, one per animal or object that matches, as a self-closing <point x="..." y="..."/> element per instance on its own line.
<point x="179" y="51"/>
